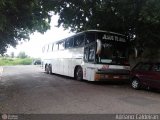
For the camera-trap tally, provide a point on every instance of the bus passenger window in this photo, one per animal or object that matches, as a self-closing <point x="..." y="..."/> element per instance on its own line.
<point x="91" y="54"/>
<point x="86" y="54"/>
<point x="52" y="46"/>
<point x="69" y="43"/>
<point x="55" y="48"/>
<point x="61" y="45"/>
<point x="90" y="37"/>
<point x="43" y="49"/>
<point x="78" y="40"/>
<point x="47" y="48"/>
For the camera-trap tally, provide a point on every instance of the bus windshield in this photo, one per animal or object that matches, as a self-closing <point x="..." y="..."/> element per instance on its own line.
<point x="114" y="50"/>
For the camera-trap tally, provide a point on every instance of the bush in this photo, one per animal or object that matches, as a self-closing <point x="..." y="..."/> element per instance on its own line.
<point x="15" y="61"/>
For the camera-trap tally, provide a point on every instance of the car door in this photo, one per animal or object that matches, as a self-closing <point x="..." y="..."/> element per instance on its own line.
<point x="155" y="76"/>
<point x="144" y="73"/>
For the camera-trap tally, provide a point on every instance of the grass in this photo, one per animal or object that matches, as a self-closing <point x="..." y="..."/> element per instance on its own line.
<point x="15" y="61"/>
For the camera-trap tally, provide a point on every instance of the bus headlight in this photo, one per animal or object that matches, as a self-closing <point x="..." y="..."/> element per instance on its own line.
<point x="101" y="76"/>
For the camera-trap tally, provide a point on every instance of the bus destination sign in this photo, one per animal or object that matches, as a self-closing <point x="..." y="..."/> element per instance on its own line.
<point x="113" y="38"/>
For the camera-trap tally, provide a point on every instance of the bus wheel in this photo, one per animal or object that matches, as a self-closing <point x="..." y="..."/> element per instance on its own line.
<point x="79" y="73"/>
<point x="47" y="69"/>
<point x="50" y="69"/>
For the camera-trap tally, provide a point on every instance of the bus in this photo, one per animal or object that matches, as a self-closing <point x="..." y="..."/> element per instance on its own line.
<point x="92" y="55"/>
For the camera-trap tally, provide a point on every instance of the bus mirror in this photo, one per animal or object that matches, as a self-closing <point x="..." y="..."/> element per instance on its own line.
<point x="99" y="46"/>
<point x="136" y="52"/>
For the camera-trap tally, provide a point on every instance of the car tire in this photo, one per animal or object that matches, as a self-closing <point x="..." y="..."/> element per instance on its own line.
<point x="135" y="83"/>
<point x="79" y="73"/>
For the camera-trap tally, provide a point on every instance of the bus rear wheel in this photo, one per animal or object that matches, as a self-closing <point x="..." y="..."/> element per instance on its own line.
<point x="47" y="69"/>
<point x="79" y="73"/>
<point x="50" y="69"/>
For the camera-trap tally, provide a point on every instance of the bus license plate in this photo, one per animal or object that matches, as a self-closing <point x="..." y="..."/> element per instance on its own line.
<point x="116" y="77"/>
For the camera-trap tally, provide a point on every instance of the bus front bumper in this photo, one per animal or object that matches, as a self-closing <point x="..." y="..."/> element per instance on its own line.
<point x="106" y="77"/>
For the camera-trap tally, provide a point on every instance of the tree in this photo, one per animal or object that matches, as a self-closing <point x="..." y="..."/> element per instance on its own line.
<point x="22" y="55"/>
<point x="138" y="19"/>
<point x="12" y="54"/>
<point x="20" y="18"/>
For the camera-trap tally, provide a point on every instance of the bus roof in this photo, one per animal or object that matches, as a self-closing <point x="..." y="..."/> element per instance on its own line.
<point x="100" y="31"/>
<point x="89" y="31"/>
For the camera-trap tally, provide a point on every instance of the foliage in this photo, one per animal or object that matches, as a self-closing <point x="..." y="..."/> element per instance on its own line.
<point x="138" y="19"/>
<point x="20" y="18"/>
<point x="12" y="55"/>
<point x="22" y="55"/>
<point x="15" y="61"/>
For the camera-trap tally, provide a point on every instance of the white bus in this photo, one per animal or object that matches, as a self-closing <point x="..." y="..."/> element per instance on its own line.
<point x="92" y="55"/>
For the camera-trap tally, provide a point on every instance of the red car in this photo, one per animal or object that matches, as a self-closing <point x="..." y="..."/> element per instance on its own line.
<point x="145" y="75"/>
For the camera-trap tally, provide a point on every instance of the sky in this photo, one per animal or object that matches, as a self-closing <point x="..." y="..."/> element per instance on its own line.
<point x="33" y="47"/>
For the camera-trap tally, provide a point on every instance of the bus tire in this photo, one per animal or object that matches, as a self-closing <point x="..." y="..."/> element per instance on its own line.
<point x="47" y="69"/>
<point x="79" y="73"/>
<point x="50" y="69"/>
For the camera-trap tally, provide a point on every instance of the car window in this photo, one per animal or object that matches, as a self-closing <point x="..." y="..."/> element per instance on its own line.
<point x="138" y="66"/>
<point x="145" y="67"/>
<point x="156" y="67"/>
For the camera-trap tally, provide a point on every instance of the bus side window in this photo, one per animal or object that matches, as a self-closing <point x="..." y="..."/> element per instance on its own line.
<point x="90" y="37"/>
<point x="79" y="41"/>
<point x="55" y="48"/>
<point x="47" y="48"/>
<point x="61" y="45"/>
<point x="52" y="47"/>
<point x="86" y="54"/>
<point x="91" y="54"/>
<point x="43" y="49"/>
<point x="69" y="43"/>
